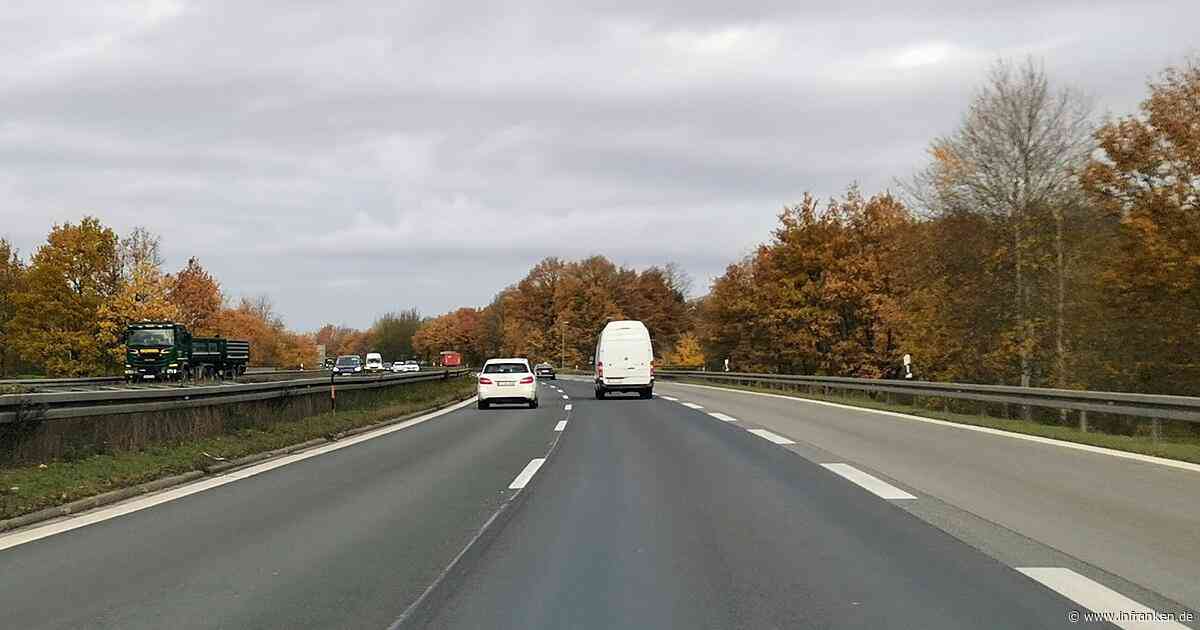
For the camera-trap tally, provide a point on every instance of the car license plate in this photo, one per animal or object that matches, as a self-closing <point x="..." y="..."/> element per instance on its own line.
<point x="506" y="383"/>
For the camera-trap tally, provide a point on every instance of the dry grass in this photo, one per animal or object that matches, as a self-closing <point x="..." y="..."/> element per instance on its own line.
<point x="53" y="482"/>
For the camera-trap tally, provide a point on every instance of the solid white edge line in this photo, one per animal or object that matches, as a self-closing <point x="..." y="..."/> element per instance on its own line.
<point x="1149" y="459"/>
<point x="868" y="481"/>
<point x="566" y="397"/>
<point x="526" y="473"/>
<point x="562" y="424"/>
<point x="668" y="398"/>
<point x="721" y="416"/>
<point x="140" y="503"/>
<point x="692" y="405"/>
<point x="1095" y="597"/>
<point x="567" y="407"/>
<point x="773" y="437"/>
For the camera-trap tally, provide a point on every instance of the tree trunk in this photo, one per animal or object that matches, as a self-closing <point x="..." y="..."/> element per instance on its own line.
<point x="1022" y="307"/>
<point x="1060" y="351"/>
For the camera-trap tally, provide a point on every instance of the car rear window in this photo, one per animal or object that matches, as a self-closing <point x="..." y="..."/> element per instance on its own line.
<point x="505" y="368"/>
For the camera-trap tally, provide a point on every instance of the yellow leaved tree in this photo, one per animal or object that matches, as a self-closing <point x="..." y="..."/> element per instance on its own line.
<point x="143" y="296"/>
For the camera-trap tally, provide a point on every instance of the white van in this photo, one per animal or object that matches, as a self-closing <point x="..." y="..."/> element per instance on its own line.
<point x="374" y="362"/>
<point x="624" y="359"/>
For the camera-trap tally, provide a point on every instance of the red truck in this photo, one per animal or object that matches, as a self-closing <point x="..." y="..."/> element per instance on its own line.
<point x="451" y="358"/>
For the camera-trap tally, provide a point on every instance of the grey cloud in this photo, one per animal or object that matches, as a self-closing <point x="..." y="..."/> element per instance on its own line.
<point x="361" y="157"/>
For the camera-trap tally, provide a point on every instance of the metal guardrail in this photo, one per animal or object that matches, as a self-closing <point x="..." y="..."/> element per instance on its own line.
<point x="48" y="384"/>
<point x="1151" y="406"/>
<point x="63" y="382"/>
<point x="55" y="405"/>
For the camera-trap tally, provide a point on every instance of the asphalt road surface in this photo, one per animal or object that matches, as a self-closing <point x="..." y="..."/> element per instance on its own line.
<point x="706" y="509"/>
<point x="346" y="539"/>
<point x="657" y="515"/>
<point x="1130" y="518"/>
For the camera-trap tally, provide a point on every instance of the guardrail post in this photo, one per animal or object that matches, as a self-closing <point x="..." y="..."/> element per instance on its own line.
<point x="1083" y="426"/>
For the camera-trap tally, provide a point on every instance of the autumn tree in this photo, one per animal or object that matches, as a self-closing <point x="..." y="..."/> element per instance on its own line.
<point x="392" y="334"/>
<point x="140" y="248"/>
<point x="144" y="295"/>
<point x="271" y="344"/>
<point x="1016" y="155"/>
<point x="336" y="339"/>
<point x="821" y="298"/>
<point x="687" y="353"/>
<point x="197" y="296"/>
<point x="56" y="311"/>
<point x="458" y="330"/>
<point x="1148" y="181"/>
<point x="12" y="272"/>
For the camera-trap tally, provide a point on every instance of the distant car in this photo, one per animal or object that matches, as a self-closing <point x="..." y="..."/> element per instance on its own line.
<point x="507" y="381"/>
<point x="544" y="370"/>
<point x="329" y="364"/>
<point x="397" y="366"/>
<point x="374" y="362"/>
<point x="412" y="366"/>
<point x="387" y="365"/>
<point x="348" y="365"/>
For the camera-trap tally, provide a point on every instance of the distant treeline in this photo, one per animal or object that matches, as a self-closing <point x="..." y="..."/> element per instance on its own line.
<point x="1039" y="246"/>
<point x="63" y="312"/>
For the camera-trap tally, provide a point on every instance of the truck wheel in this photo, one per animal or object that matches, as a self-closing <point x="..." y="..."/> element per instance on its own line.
<point x="646" y="393"/>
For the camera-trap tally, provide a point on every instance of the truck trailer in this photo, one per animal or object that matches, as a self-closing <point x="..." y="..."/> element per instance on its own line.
<point x="166" y="351"/>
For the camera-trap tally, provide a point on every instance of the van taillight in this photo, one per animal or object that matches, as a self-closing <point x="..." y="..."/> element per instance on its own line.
<point x="483" y="380"/>
<point x="527" y="380"/>
<point x="599" y="368"/>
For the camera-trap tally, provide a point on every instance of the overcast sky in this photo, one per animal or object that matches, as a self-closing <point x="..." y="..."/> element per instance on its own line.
<point x="350" y="158"/>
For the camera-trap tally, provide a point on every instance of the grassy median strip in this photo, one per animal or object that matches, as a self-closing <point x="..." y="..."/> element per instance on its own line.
<point x="30" y="488"/>
<point x="1172" y="447"/>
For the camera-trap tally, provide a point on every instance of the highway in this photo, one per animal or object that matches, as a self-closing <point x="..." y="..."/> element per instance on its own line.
<point x="700" y="508"/>
<point x="1128" y="517"/>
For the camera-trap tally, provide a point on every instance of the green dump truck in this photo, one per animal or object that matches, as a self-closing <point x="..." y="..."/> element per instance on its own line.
<point x="166" y="351"/>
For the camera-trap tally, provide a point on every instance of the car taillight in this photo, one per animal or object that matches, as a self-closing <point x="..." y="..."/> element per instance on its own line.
<point x="599" y="368"/>
<point x="651" y="369"/>
<point x="527" y="380"/>
<point x="483" y="380"/>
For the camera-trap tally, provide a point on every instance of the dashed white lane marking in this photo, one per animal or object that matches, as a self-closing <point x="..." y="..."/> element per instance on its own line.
<point x="1097" y="598"/>
<point x="120" y="509"/>
<point x="668" y="398"/>
<point x="527" y="474"/>
<point x="1150" y="459"/>
<point x="562" y="424"/>
<point x="566" y="397"/>
<point x="721" y="416"/>
<point x="870" y="482"/>
<point x="692" y="405"/>
<point x="767" y="435"/>
<point x="567" y="407"/>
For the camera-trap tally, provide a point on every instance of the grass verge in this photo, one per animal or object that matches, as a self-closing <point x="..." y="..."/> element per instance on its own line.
<point x="1183" y="448"/>
<point x="30" y="488"/>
